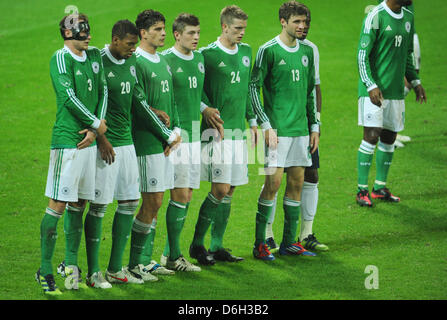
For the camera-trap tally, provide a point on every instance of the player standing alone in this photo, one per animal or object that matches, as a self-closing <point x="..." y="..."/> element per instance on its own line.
<point x="384" y="58"/>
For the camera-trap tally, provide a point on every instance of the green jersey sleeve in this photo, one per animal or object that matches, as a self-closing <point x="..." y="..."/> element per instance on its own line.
<point x="62" y="76"/>
<point x="250" y="115"/>
<point x="259" y="73"/>
<point x="368" y="36"/>
<point x="101" y="109"/>
<point x="145" y="114"/>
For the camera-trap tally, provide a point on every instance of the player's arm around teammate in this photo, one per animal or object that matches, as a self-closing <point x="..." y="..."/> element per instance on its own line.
<point x="153" y="148"/>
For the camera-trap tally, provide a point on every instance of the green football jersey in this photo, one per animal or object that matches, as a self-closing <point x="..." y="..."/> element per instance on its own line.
<point x="121" y="79"/>
<point x="385" y="52"/>
<point x="188" y="73"/>
<point x="287" y="78"/>
<point x="81" y="95"/>
<point x="155" y="85"/>
<point x="227" y="76"/>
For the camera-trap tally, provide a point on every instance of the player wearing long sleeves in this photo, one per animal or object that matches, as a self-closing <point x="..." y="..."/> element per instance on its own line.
<point x="81" y="96"/>
<point x="284" y="69"/>
<point x="384" y="58"/>
<point x="224" y="161"/>
<point x="155" y="164"/>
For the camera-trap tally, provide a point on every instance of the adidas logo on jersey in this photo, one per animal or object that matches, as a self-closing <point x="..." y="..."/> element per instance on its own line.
<point x="282" y="62"/>
<point x="111" y="75"/>
<point x="153" y="75"/>
<point x="79" y="73"/>
<point x="222" y="64"/>
<point x="179" y="69"/>
<point x="388" y="28"/>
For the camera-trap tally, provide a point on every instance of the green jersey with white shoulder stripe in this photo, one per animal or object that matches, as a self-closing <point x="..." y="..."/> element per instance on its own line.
<point x="121" y="78"/>
<point x="81" y="94"/>
<point x="154" y="89"/>
<point x="384" y="52"/>
<point x="122" y="85"/>
<point x="188" y="73"/>
<point x="287" y="78"/>
<point x="227" y="77"/>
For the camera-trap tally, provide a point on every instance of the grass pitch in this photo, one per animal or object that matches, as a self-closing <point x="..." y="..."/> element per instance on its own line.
<point x="405" y="241"/>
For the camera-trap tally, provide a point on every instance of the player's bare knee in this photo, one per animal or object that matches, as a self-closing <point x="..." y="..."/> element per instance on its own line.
<point x="311" y="175"/>
<point x="388" y="137"/>
<point x="371" y="135"/>
<point x="57" y="206"/>
<point x="220" y="190"/>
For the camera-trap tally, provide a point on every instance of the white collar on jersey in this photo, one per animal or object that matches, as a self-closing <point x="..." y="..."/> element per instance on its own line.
<point x="111" y="57"/>
<point x="392" y="13"/>
<point x="287" y="48"/>
<point x="225" y="49"/>
<point x="183" y="56"/>
<point x="155" y="58"/>
<point x="76" y="57"/>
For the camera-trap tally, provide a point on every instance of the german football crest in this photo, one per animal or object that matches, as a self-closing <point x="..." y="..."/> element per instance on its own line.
<point x="408" y="26"/>
<point x="305" y="61"/>
<point x="201" y="67"/>
<point x="246" y="61"/>
<point x="95" y="67"/>
<point x="133" y="72"/>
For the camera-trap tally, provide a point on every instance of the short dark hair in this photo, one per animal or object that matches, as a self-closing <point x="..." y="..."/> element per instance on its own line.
<point x="69" y="20"/>
<point x="183" y="20"/>
<point x="293" y="8"/>
<point x="232" y="12"/>
<point x="123" y="27"/>
<point x="147" y="19"/>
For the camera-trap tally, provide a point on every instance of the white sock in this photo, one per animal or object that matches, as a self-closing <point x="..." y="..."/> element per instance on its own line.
<point x="269" y="228"/>
<point x="309" y="202"/>
<point x="306" y="229"/>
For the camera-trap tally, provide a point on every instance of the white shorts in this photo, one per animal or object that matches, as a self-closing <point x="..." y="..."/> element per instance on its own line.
<point x="71" y="174"/>
<point x="187" y="165"/>
<point x="391" y="115"/>
<point x="119" y="180"/>
<point x="225" y="162"/>
<point x="290" y="152"/>
<point x="156" y="172"/>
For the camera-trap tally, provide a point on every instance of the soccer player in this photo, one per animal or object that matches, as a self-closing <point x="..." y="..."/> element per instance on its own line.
<point x="401" y="139"/>
<point x="284" y="69"/>
<point x="384" y="59"/>
<point x="188" y="72"/>
<point x="116" y="162"/>
<point x="309" y="195"/>
<point x="81" y="96"/>
<point x="155" y="165"/>
<point x="227" y="76"/>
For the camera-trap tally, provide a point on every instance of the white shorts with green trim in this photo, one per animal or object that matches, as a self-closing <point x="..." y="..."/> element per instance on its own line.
<point x="225" y="162"/>
<point x="391" y="115"/>
<point x="71" y="174"/>
<point x="187" y="165"/>
<point x="290" y="152"/>
<point x="119" y="180"/>
<point x="156" y="172"/>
